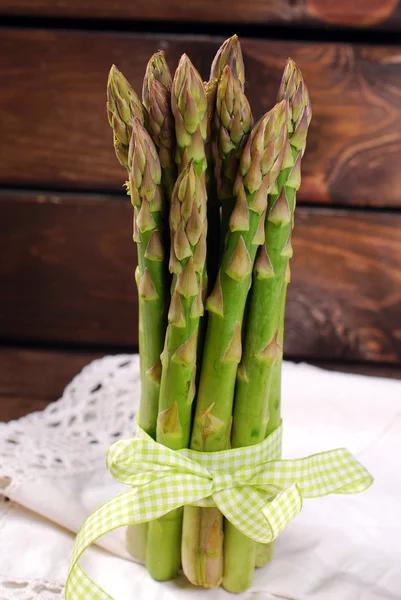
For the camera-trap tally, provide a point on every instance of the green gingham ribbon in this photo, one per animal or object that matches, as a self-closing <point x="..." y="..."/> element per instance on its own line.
<point x="255" y="490"/>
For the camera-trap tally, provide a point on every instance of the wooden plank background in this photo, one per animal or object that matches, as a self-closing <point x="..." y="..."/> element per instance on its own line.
<point x="356" y="13"/>
<point x="30" y="378"/>
<point x="55" y="132"/>
<point x="66" y="272"/>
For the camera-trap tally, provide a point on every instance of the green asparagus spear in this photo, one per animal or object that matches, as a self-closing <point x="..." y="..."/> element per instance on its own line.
<point x="294" y="89"/>
<point x="187" y="258"/>
<point x="233" y="122"/>
<point x="156" y="97"/>
<point x="152" y="282"/>
<point x="123" y="106"/>
<point x="230" y="54"/>
<point x="189" y="105"/>
<point x="177" y="389"/>
<point x="257" y="409"/>
<point x="147" y="199"/>
<point x="260" y="165"/>
<point x="289" y="85"/>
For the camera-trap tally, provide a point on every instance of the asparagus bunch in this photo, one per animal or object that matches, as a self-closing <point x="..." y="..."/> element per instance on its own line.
<point x="229" y="192"/>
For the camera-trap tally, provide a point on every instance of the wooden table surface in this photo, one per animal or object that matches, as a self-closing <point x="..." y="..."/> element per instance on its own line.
<point x="31" y="379"/>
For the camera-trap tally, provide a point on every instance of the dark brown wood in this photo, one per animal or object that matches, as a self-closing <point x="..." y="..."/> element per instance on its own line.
<point x="40" y="373"/>
<point x="67" y="269"/>
<point x="31" y="379"/>
<point x="369" y="369"/>
<point x="358" y="13"/>
<point x="344" y="301"/>
<point x="54" y="130"/>
<point x="67" y="274"/>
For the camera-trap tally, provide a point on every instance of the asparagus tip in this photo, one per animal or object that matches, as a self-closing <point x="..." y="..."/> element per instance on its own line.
<point x="156" y="70"/>
<point x="229" y="53"/>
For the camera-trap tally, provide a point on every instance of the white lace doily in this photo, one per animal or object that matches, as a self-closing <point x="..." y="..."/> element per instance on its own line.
<point x="53" y="475"/>
<point x="96" y="408"/>
<point x="19" y="589"/>
<point x="67" y="438"/>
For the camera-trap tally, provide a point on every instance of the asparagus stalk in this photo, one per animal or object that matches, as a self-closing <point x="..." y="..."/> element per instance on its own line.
<point x="233" y="122"/>
<point x="259" y="167"/>
<point x="147" y="199"/>
<point x="289" y="86"/>
<point x="294" y="89"/>
<point x="257" y="403"/>
<point x="189" y="106"/>
<point x="123" y="106"/>
<point x="230" y="54"/>
<point x="187" y="262"/>
<point x="151" y="278"/>
<point x="156" y="97"/>
<point x="263" y="554"/>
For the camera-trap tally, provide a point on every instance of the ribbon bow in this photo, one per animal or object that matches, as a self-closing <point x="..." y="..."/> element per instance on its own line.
<point x="255" y="490"/>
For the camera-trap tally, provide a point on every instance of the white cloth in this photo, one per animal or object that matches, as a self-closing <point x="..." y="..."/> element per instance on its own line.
<point x="52" y="467"/>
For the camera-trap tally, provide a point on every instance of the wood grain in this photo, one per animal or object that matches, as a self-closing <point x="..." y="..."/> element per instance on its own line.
<point x="67" y="275"/>
<point x="67" y="270"/>
<point x="358" y="13"/>
<point x="344" y="300"/>
<point x="55" y="132"/>
<point x="40" y="373"/>
<point x="31" y="379"/>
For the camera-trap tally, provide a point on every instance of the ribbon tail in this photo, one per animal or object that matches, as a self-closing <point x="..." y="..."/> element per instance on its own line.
<point x="80" y="585"/>
<point x="104" y="519"/>
<point x="133" y="506"/>
<point x="280" y="511"/>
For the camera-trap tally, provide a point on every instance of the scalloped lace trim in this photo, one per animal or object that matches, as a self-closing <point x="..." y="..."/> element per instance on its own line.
<point x="11" y="589"/>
